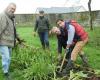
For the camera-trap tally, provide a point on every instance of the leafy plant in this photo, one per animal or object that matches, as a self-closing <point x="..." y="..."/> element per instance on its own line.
<point x="77" y="76"/>
<point x="36" y="64"/>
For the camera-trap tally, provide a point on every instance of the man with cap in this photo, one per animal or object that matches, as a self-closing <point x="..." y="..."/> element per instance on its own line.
<point x="42" y="26"/>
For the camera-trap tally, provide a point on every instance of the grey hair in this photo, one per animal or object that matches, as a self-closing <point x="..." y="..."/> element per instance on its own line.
<point x="12" y="4"/>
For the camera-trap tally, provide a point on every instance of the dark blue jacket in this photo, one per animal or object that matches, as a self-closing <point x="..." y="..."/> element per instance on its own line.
<point x="62" y="40"/>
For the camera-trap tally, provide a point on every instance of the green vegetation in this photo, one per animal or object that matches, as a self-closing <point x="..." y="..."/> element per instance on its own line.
<point x="32" y="62"/>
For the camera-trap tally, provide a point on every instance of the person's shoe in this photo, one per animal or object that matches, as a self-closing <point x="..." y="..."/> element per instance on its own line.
<point x="7" y="76"/>
<point x="70" y="65"/>
<point x="48" y="48"/>
<point x="65" y="72"/>
<point x="85" y="60"/>
<point x="43" y="47"/>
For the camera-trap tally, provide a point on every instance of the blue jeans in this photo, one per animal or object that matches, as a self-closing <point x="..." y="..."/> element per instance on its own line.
<point x="44" y="39"/>
<point x="5" y="52"/>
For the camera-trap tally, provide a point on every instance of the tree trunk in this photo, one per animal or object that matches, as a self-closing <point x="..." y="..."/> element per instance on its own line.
<point x="90" y="15"/>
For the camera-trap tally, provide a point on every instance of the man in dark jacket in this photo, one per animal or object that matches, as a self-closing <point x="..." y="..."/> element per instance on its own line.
<point x="42" y="24"/>
<point x="62" y="36"/>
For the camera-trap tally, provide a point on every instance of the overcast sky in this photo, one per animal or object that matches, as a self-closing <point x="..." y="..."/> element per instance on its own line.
<point x="29" y="6"/>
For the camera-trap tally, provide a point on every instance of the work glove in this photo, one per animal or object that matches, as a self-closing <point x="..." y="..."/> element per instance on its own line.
<point x="67" y="50"/>
<point x="20" y="40"/>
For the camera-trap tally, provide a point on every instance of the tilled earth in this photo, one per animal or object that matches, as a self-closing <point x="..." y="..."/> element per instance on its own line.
<point x="76" y="72"/>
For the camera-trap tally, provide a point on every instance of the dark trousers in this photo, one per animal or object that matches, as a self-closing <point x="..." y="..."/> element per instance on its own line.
<point x="68" y="56"/>
<point x="44" y="39"/>
<point x="63" y="45"/>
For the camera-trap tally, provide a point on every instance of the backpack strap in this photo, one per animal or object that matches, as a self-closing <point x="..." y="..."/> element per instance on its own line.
<point x="67" y="23"/>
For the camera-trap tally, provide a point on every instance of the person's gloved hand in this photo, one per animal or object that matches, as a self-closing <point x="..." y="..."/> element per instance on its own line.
<point x="20" y="40"/>
<point x="67" y="50"/>
<point x="34" y="34"/>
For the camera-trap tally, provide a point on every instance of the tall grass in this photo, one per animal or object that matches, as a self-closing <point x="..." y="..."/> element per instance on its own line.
<point x="37" y="64"/>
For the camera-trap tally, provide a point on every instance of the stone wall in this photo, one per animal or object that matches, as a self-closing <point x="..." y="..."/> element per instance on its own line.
<point x="81" y="17"/>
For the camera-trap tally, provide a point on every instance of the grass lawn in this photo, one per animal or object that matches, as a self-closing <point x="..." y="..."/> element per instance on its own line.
<point x="92" y="49"/>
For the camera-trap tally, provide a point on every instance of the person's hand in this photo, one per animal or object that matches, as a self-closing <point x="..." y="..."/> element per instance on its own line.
<point x="66" y="50"/>
<point x="50" y="32"/>
<point x="20" y="40"/>
<point x="34" y="34"/>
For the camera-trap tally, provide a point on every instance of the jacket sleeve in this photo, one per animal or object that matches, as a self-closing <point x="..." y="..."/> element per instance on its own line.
<point x="36" y="25"/>
<point x="3" y="24"/>
<point x="48" y="24"/>
<point x="15" y="33"/>
<point x="59" y="45"/>
<point x="71" y="33"/>
<point x="14" y="25"/>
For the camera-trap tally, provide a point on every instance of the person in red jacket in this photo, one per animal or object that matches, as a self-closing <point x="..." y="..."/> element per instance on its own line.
<point x="73" y="28"/>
